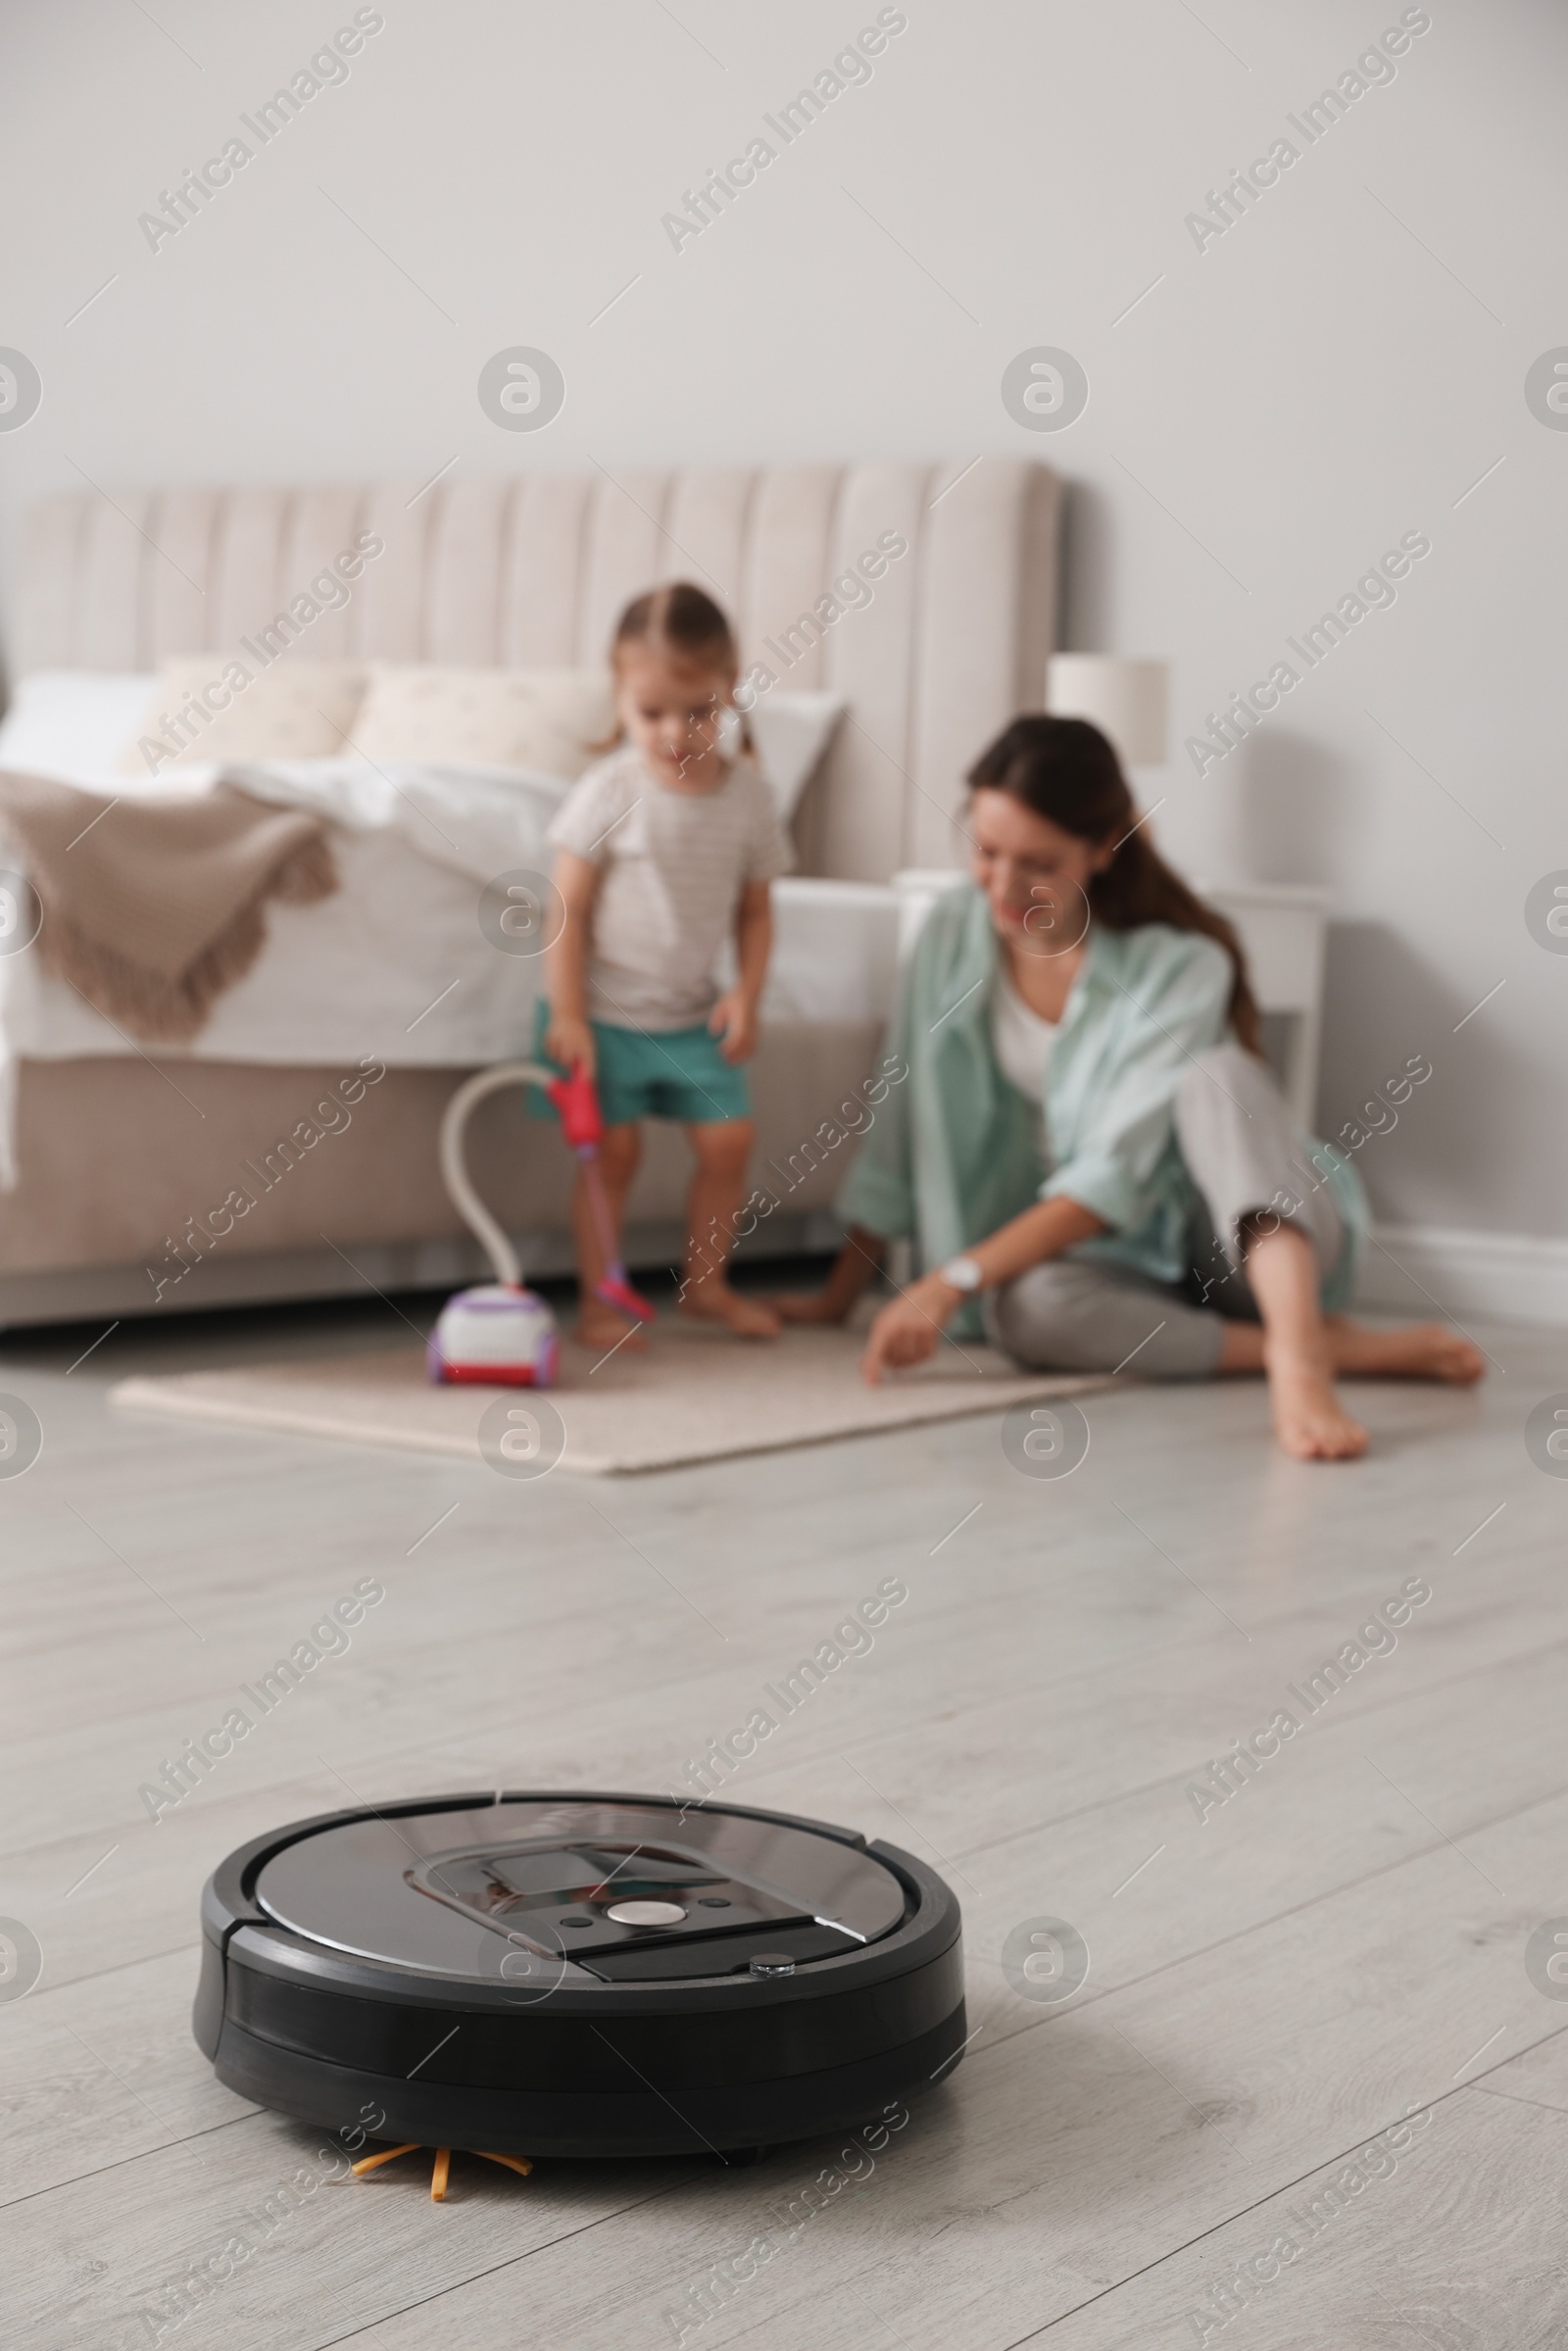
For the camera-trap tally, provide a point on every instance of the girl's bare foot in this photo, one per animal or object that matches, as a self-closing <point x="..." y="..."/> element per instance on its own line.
<point x="600" y="1327"/>
<point x="714" y="1301"/>
<point x="1422" y="1351"/>
<point x="1309" y="1420"/>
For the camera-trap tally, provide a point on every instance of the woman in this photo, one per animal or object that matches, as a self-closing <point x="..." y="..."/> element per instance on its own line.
<point x="1089" y="1149"/>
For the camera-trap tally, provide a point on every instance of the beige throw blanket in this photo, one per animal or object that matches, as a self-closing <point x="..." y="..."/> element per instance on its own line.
<point x="151" y="907"/>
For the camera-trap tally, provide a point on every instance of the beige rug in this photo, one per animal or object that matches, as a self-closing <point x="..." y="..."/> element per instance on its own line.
<point x="694" y="1395"/>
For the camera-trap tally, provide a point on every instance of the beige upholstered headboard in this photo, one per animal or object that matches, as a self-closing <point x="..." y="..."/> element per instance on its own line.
<point x="531" y="571"/>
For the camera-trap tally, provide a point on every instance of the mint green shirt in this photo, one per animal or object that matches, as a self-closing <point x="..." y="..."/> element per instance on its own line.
<point x="953" y="1153"/>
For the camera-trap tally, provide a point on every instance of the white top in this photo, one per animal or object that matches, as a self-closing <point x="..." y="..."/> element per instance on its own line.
<point x="672" y="867"/>
<point x="1021" y="1042"/>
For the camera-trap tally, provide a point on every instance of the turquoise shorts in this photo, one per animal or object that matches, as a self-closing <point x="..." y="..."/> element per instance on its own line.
<point x="670" y="1073"/>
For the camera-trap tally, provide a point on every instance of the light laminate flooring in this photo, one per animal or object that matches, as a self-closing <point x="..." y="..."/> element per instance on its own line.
<point x="1329" y="1962"/>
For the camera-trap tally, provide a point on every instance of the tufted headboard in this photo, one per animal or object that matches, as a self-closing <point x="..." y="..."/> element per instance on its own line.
<point x="530" y="570"/>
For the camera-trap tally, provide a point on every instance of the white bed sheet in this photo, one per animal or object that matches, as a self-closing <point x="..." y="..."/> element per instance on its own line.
<point x="394" y="965"/>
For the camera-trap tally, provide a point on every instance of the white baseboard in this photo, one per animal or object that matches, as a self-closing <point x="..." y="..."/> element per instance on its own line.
<point x="1509" y="1276"/>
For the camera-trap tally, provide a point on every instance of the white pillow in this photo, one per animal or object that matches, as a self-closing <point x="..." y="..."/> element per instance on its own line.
<point x="792" y="732"/>
<point x="71" y="723"/>
<point x="546" y="721"/>
<point x="294" y="710"/>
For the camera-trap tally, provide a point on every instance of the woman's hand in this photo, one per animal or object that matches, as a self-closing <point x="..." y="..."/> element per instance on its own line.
<point x="569" y="1040"/>
<point x="907" y="1332"/>
<point x="734" y="1018"/>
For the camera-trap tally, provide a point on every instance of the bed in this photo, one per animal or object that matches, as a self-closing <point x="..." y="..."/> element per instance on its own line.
<point x="122" y="1151"/>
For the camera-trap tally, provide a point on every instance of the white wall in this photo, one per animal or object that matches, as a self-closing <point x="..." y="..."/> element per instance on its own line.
<point x="1338" y="368"/>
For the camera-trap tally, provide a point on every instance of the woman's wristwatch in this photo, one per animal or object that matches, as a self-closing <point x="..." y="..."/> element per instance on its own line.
<point x="962" y="1273"/>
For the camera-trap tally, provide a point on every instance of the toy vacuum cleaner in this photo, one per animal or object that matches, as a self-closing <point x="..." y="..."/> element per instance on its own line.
<point x="574" y="1974"/>
<point x="500" y="1334"/>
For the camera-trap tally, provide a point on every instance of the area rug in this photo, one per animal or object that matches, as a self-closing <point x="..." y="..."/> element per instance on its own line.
<point x="694" y="1395"/>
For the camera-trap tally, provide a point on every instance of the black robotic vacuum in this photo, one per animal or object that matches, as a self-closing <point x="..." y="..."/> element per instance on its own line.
<point x="578" y="1975"/>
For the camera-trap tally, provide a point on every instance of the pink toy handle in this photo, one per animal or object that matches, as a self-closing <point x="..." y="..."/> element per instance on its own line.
<point x="576" y="1102"/>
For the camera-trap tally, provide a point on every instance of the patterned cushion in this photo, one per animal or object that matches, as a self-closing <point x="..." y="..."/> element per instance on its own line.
<point x="546" y="719"/>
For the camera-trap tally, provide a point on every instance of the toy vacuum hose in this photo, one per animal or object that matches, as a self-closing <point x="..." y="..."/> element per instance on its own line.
<point x="453" y="1167"/>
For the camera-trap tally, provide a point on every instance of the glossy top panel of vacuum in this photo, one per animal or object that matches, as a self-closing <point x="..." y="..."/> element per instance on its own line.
<point x="574" y="1892"/>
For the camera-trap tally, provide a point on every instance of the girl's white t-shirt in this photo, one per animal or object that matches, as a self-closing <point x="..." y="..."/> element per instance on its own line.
<point x="672" y="865"/>
<point x="1022" y="1043"/>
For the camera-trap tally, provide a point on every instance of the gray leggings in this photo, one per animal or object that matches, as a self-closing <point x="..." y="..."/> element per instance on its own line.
<point x="1077" y="1314"/>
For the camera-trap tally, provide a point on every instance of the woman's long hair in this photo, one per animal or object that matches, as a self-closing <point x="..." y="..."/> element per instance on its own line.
<point x="1064" y="770"/>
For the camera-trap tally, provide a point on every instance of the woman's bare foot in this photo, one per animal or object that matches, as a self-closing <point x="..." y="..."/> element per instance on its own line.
<point x="1309" y="1420"/>
<point x="600" y="1327"/>
<point x="716" y="1301"/>
<point x="806" y="1307"/>
<point x="1422" y="1351"/>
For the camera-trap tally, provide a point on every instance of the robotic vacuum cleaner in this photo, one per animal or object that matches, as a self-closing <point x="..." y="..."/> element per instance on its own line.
<point x="578" y="1975"/>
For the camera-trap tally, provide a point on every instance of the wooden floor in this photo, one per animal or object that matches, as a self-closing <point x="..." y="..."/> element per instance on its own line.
<point x="1338" y="1947"/>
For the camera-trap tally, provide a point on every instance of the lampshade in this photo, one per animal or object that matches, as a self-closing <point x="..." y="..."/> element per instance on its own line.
<point x="1126" y="699"/>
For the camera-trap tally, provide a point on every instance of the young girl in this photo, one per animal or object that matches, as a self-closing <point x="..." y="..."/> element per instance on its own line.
<point x="1089" y="1148"/>
<point x="664" y="850"/>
